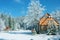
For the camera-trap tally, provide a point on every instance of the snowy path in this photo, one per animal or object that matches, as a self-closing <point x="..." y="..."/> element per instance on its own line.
<point x="25" y="35"/>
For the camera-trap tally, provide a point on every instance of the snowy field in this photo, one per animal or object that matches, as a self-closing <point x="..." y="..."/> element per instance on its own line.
<point x="26" y="35"/>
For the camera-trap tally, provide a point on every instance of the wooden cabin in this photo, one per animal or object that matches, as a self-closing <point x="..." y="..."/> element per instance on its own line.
<point x="46" y="21"/>
<point x="7" y="28"/>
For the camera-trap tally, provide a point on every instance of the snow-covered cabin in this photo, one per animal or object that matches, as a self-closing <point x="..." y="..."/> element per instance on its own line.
<point x="46" y="21"/>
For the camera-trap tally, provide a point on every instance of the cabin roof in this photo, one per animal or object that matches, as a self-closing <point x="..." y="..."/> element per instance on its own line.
<point x="44" y="20"/>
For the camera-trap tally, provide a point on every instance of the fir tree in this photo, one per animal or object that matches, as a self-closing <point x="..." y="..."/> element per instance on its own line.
<point x="33" y="13"/>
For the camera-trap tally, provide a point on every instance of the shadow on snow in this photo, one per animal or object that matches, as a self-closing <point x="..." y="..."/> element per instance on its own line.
<point x="27" y="33"/>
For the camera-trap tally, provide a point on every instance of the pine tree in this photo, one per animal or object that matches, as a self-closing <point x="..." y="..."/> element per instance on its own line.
<point x="33" y="13"/>
<point x="56" y="15"/>
<point x="2" y="25"/>
<point x="9" y="22"/>
<point x="35" y="8"/>
<point x="51" y="28"/>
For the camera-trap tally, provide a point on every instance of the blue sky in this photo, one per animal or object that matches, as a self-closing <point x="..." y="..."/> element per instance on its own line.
<point x="19" y="7"/>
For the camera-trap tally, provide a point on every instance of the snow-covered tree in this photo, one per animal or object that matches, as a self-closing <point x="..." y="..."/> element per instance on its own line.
<point x="56" y="15"/>
<point x="33" y="13"/>
<point x="2" y="25"/>
<point x="19" y="21"/>
<point x="4" y="18"/>
<point x="52" y="28"/>
<point x="17" y="26"/>
<point x="35" y="8"/>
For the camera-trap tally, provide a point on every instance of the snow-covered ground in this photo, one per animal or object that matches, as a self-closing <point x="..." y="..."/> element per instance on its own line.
<point x="26" y="35"/>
